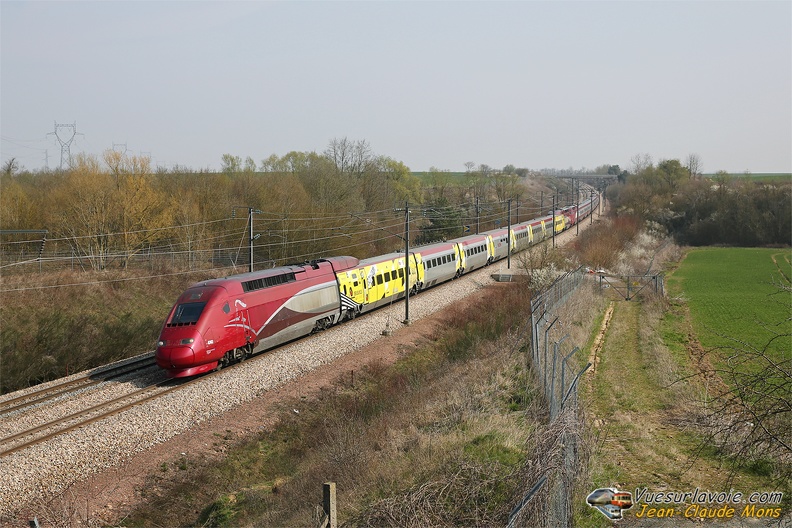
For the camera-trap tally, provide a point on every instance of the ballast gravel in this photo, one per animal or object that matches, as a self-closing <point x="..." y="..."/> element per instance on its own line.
<point x="48" y="468"/>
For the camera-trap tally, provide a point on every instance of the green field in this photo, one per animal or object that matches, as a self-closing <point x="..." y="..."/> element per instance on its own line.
<point x="734" y="294"/>
<point x="759" y="176"/>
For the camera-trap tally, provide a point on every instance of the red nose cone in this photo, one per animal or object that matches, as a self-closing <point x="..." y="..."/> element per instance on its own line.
<point x="170" y="357"/>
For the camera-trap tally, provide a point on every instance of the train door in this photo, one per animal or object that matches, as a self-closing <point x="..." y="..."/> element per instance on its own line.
<point x="370" y="283"/>
<point x="243" y="320"/>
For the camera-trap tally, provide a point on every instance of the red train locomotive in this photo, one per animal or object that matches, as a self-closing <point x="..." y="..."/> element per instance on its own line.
<point x="220" y="321"/>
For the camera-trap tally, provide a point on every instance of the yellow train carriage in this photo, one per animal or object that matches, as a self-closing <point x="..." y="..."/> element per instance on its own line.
<point x="377" y="281"/>
<point x="560" y="223"/>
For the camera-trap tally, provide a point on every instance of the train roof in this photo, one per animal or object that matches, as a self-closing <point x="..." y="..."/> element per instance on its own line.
<point x="469" y="239"/>
<point x="382" y="258"/>
<point x="339" y="264"/>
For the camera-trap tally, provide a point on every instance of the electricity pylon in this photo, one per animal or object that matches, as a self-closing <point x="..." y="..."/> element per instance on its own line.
<point x="65" y="144"/>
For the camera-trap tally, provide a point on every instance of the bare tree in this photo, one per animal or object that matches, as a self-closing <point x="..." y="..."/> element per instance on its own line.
<point x="748" y="413"/>
<point x="640" y="162"/>
<point x="693" y="164"/>
<point x="10" y="167"/>
<point x="350" y="157"/>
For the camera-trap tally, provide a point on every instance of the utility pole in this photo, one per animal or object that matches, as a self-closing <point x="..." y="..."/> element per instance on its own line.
<point x="407" y="262"/>
<point x="508" y="239"/>
<point x="552" y="218"/>
<point x="251" y="237"/>
<point x="577" y="209"/>
<point x="250" y="227"/>
<point x="478" y="216"/>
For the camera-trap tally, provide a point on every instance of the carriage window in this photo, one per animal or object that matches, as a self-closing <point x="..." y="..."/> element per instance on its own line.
<point x="387" y="276"/>
<point x="379" y="279"/>
<point x="187" y="314"/>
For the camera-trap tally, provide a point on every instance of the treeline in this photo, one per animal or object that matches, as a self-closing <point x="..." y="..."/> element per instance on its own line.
<point x="112" y="211"/>
<point x="119" y="206"/>
<point x="702" y="211"/>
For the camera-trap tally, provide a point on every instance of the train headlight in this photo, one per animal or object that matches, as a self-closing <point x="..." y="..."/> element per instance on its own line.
<point x="161" y="343"/>
<point x="189" y="341"/>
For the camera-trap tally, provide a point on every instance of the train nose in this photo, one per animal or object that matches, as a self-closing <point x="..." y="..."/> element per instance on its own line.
<point x="170" y="357"/>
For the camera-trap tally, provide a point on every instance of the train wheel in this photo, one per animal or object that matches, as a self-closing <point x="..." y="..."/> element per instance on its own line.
<point x="224" y="361"/>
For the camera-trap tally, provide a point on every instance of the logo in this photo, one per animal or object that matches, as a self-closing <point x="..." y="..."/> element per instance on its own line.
<point x="610" y="502"/>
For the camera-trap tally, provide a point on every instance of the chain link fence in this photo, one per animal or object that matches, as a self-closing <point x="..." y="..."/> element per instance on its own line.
<point x="559" y="451"/>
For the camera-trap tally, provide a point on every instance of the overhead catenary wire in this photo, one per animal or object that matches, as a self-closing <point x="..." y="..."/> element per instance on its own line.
<point x="294" y="231"/>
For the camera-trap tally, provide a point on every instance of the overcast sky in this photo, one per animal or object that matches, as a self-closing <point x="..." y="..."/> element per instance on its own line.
<point x="533" y="84"/>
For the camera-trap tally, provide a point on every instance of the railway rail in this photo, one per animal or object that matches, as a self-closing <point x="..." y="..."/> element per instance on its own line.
<point x="96" y="377"/>
<point x="83" y="417"/>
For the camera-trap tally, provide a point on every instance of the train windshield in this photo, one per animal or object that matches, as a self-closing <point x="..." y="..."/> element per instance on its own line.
<point x="187" y="313"/>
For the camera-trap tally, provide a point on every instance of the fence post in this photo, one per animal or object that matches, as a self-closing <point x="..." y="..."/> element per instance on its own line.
<point x="330" y="519"/>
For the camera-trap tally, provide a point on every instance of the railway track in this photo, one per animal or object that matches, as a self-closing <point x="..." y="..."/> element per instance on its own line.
<point x="18" y="441"/>
<point x="37" y="434"/>
<point x="42" y="396"/>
